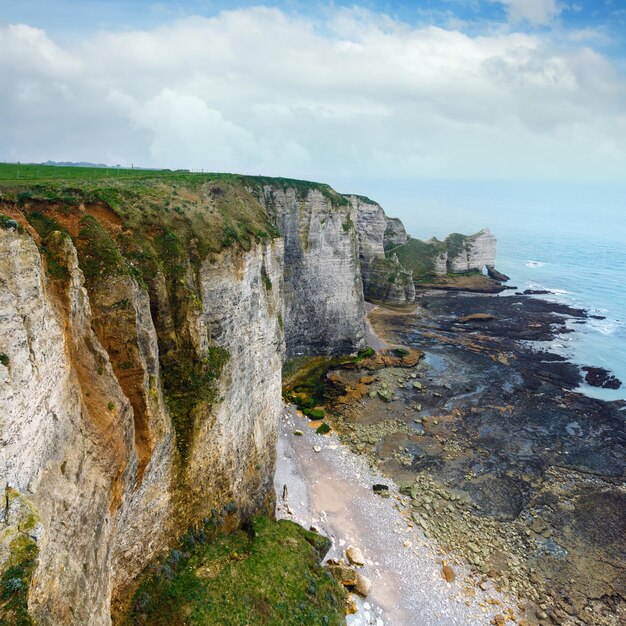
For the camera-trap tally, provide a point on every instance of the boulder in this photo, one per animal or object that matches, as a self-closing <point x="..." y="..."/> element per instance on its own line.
<point x="381" y="490"/>
<point x="476" y="317"/>
<point x="447" y="572"/>
<point x="385" y="394"/>
<point x="492" y="272"/>
<point x="362" y="585"/>
<point x="323" y="428"/>
<point x="355" y="556"/>
<point x="351" y="605"/>
<point x="599" y="377"/>
<point x="342" y="573"/>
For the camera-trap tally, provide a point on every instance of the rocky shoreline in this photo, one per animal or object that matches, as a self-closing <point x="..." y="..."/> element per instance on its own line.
<point x="498" y="459"/>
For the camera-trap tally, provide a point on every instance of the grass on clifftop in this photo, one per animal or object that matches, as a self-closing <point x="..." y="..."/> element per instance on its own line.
<point x="64" y="178"/>
<point x="420" y="256"/>
<point x="267" y="575"/>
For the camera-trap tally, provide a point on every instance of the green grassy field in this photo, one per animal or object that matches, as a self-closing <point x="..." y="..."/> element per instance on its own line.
<point x="51" y="176"/>
<point x="26" y="174"/>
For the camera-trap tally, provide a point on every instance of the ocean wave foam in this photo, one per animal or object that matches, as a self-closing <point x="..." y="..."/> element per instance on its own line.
<point x="605" y="327"/>
<point x="552" y="290"/>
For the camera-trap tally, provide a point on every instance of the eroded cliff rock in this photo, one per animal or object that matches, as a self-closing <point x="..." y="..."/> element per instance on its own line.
<point x="323" y="294"/>
<point x="395" y="233"/>
<point x="471" y="253"/>
<point x="384" y="278"/>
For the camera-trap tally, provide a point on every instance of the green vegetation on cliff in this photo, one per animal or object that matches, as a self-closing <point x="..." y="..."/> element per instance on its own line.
<point x="15" y="582"/>
<point x="420" y="256"/>
<point x="304" y="379"/>
<point x="18" y="569"/>
<point x="267" y="575"/>
<point x="188" y="383"/>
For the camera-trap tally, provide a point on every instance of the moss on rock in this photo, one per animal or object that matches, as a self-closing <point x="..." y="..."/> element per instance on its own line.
<point x="18" y="567"/>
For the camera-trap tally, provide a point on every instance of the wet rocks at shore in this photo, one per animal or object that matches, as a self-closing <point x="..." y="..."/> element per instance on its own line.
<point x="536" y="292"/>
<point x="498" y="459"/>
<point x="476" y="317"/>
<point x="492" y="272"/>
<point x="599" y="377"/>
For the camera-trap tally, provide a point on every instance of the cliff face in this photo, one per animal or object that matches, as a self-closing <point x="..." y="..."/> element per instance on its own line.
<point x="87" y="437"/>
<point x="384" y="279"/>
<point x="471" y="253"/>
<point x="323" y="294"/>
<point x="395" y="233"/>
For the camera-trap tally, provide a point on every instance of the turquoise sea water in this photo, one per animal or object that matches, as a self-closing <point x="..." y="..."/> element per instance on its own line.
<point x="569" y="239"/>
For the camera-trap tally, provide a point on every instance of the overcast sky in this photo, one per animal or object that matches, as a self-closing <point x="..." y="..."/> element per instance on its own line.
<point x="447" y="89"/>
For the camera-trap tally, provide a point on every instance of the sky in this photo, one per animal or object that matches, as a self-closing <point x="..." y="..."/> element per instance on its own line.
<point x="367" y="96"/>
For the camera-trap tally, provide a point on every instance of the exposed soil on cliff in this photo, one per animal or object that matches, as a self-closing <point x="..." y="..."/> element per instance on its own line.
<point x="502" y="462"/>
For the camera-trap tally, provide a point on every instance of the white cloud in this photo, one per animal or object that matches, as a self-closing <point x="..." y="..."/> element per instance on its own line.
<point x="533" y="11"/>
<point x="183" y="122"/>
<point x="25" y="49"/>
<point x="357" y="95"/>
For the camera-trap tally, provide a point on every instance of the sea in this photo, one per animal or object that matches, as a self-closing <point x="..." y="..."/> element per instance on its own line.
<point x="568" y="238"/>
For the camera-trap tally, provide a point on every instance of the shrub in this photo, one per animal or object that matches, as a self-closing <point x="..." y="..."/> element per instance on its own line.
<point x="4" y="359"/>
<point x="267" y="282"/>
<point x="367" y="353"/>
<point x="10" y="223"/>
